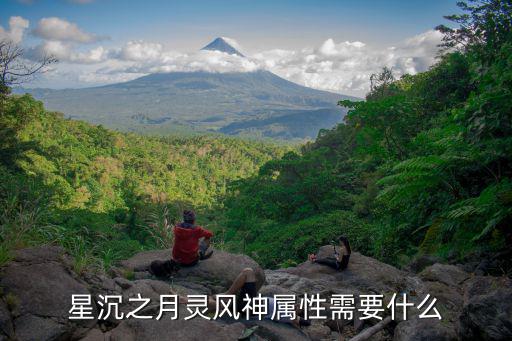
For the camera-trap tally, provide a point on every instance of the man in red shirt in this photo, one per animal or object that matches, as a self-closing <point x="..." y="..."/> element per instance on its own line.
<point x="188" y="247"/>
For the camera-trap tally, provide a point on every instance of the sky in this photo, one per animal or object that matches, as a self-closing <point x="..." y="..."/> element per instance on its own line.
<point x="333" y="45"/>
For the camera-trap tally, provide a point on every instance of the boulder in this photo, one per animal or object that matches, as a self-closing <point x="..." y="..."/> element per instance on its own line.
<point x="215" y="273"/>
<point x="487" y="311"/>
<point x="100" y="284"/>
<point x="148" y="288"/>
<point x="424" y="330"/>
<point x="96" y="335"/>
<point x="271" y="290"/>
<point x="420" y="262"/>
<point x="123" y="283"/>
<point x="142" y="260"/>
<point x="449" y="299"/>
<point x="6" y="326"/>
<point x="39" y="284"/>
<point x="298" y="285"/>
<point x="42" y="254"/>
<point x="450" y="275"/>
<point x="482" y="285"/>
<point x="275" y="331"/>
<point x="167" y="329"/>
<point x="362" y="274"/>
<point x="318" y="331"/>
<point x="32" y="327"/>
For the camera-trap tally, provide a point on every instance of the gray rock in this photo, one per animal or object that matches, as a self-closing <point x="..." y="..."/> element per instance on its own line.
<point x="166" y="330"/>
<point x="142" y="260"/>
<point x="123" y="282"/>
<point x="190" y="288"/>
<point x="275" y="331"/>
<point x="424" y="330"/>
<point x="96" y="335"/>
<point x="217" y="271"/>
<point x="271" y="290"/>
<point x="294" y="283"/>
<point x="482" y="285"/>
<point x="362" y="274"/>
<point x="317" y="331"/>
<point x="487" y="311"/>
<point x="449" y="299"/>
<point x="420" y="262"/>
<point x="41" y="284"/>
<point x="448" y="274"/>
<point x="42" y="254"/>
<point x="100" y="284"/>
<point x="147" y="288"/>
<point x="34" y="328"/>
<point x="6" y="326"/>
<point x="43" y="289"/>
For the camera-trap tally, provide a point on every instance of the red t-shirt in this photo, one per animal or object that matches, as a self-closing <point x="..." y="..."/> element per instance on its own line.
<point x="186" y="243"/>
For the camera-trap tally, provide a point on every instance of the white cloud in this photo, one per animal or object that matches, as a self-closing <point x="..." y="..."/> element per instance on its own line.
<point x="17" y="27"/>
<point x="65" y="52"/>
<point x="152" y="57"/>
<point x="62" y="30"/>
<point x="342" y="67"/>
<point x="345" y="67"/>
<point x="139" y="51"/>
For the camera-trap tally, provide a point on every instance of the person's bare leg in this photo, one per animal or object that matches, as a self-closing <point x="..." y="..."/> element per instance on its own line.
<point x="246" y="276"/>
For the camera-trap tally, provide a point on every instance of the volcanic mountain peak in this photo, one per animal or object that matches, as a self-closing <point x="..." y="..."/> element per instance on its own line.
<point x="221" y="44"/>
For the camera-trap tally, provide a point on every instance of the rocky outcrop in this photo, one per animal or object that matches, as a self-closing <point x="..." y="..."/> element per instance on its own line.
<point x="167" y="329"/>
<point x="363" y="274"/>
<point x="450" y="275"/>
<point x="268" y="330"/>
<point x="6" y="326"/>
<point x="37" y="288"/>
<point x="424" y="330"/>
<point x="210" y="276"/>
<point x="37" y="285"/>
<point x="487" y="310"/>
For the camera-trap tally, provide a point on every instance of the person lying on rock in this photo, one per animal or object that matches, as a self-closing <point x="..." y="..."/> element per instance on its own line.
<point x="336" y="262"/>
<point x="191" y="241"/>
<point x="244" y="286"/>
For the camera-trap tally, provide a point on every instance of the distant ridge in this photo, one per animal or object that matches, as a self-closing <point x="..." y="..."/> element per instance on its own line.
<point x="257" y="103"/>
<point x="220" y="44"/>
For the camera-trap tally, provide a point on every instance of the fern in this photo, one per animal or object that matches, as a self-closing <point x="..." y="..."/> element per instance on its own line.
<point x="489" y="209"/>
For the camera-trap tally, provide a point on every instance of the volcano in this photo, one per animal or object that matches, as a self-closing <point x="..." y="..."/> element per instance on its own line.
<point x="256" y="104"/>
<point x="221" y="44"/>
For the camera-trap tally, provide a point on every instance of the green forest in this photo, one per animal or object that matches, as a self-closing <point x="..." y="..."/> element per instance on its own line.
<point x="105" y="195"/>
<point x="421" y="166"/>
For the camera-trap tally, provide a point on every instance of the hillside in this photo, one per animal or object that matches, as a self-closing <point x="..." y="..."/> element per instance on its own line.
<point x="199" y="101"/>
<point x="422" y="166"/>
<point x="256" y="104"/>
<point x="104" y="194"/>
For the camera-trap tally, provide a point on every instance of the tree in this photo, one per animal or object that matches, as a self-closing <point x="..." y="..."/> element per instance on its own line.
<point x="15" y="69"/>
<point x="484" y="27"/>
<point x="380" y="84"/>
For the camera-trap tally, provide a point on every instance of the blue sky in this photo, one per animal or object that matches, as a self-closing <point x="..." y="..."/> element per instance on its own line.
<point x="258" y="26"/>
<point x="275" y="23"/>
